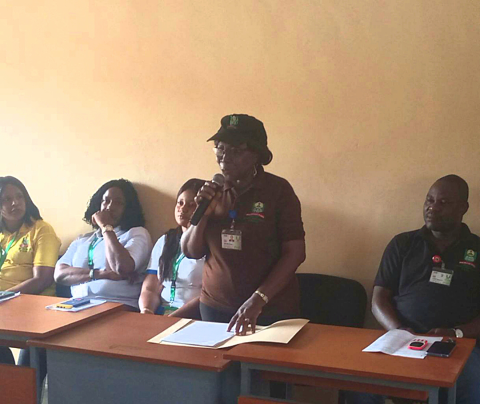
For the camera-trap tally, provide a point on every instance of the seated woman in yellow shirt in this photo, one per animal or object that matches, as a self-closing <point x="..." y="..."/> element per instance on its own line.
<point x="28" y="246"/>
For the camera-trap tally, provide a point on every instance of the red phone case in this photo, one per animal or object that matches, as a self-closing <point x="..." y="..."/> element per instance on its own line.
<point x="414" y="344"/>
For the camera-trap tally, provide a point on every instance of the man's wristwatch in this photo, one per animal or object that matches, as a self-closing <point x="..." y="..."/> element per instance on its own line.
<point x="107" y="227"/>
<point x="92" y="274"/>
<point x="458" y="332"/>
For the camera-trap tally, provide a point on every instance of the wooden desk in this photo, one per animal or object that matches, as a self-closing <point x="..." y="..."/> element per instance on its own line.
<point x="110" y="361"/>
<point x="25" y="317"/>
<point x="335" y="353"/>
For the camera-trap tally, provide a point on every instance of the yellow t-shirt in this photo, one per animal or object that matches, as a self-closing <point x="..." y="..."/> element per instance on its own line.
<point x="34" y="246"/>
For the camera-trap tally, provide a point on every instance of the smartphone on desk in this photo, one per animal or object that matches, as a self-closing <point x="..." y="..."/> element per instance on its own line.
<point x="442" y="348"/>
<point x="75" y="302"/>
<point x="6" y="294"/>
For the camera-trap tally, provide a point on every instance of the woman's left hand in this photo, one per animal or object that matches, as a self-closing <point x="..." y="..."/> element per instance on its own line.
<point x="247" y="315"/>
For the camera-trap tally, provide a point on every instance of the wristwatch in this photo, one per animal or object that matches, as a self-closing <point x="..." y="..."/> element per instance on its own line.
<point x="107" y="227"/>
<point x="458" y="332"/>
<point x="92" y="274"/>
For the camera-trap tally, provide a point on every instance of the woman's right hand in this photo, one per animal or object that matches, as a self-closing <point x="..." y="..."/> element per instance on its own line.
<point x="212" y="192"/>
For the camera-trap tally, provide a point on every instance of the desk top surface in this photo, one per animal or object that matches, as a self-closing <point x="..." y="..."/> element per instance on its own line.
<point x="338" y="350"/>
<point x="26" y="316"/>
<point x="124" y="336"/>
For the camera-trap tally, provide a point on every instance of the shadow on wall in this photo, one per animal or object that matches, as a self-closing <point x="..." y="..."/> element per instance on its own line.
<point x="158" y="209"/>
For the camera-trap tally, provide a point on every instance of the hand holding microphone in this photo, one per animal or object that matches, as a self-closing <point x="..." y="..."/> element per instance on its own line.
<point x="207" y="198"/>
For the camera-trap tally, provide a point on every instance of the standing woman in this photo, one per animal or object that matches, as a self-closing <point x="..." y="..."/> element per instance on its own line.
<point x="173" y="282"/>
<point x="28" y="246"/>
<point x="110" y="262"/>
<point x="251" y="234"/>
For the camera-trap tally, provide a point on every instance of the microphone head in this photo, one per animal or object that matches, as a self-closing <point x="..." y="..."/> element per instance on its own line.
<point x="218" y="179"/>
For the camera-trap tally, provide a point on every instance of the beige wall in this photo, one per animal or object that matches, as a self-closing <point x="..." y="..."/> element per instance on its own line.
<point x="366" y="103"/>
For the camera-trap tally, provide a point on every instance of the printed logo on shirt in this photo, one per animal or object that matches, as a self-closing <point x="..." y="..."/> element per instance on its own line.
<point x="258" y="207"/>
<point x="24" y="246"/>
<point x="470" y="256"/>
<point x="257" y="210"/>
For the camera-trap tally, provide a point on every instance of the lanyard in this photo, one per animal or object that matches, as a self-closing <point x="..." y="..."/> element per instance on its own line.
<point x="233" y="215"/>
<point x="180" y="256"/>
<point x="3" y="253"/>
<point x="91" y="248"/>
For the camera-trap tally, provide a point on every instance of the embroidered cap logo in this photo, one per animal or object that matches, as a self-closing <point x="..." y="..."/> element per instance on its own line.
<point x="233" y="121"/>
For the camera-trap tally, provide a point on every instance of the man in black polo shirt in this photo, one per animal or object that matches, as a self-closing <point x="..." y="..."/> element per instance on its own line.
<point x="429" y="281"/>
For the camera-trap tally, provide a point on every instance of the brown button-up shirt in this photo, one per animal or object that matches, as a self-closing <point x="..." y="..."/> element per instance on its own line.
<point x="268" y="214"/>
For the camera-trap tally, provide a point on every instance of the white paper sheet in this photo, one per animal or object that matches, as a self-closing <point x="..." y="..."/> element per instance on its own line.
<point x="93" y="303"/>
<point x="201" y="333"/>
<point x="279" y="332"/>
<point x="395" y="342"/>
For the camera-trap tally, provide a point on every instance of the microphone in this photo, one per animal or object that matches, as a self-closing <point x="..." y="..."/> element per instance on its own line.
<point x="219" y="180"/>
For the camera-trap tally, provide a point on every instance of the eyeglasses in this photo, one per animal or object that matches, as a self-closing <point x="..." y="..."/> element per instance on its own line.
<point x="234" y="152"/>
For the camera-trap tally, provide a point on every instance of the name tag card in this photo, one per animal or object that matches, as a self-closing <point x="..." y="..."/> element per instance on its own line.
<point x="441" y="276"/>
<point x="232" y="239"/>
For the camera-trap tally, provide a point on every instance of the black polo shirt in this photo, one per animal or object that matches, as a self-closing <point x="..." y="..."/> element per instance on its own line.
<point x="406" y="268"/>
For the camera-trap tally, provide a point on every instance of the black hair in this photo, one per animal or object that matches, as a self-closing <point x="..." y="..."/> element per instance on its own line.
<point x="171" y="247"/>
<point x="133" y="214"/>
<point x="460" y="183"/>
<point x="31" y="211"/>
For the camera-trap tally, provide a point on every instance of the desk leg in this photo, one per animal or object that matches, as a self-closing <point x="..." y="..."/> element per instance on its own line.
<point x="246" y="380"/>
<point x="35" y="364"/>
<point x="433" y="396"/>
<point x="451" y="394"/>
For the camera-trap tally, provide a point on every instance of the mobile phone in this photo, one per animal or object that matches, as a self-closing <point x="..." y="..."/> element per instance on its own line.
<point x="4" y="294"/>
<point x="418" y="344"/>
<point x="442" y="348"/>
<point x="75" y="302"/>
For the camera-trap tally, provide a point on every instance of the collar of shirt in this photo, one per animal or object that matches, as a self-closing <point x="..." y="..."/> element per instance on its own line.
<point x="465" y="233"/>
<point x="24" y="229"/>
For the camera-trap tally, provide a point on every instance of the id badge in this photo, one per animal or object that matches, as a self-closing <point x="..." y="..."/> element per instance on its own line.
<point x="232" y="239"/>
<point x="441" y="276"/>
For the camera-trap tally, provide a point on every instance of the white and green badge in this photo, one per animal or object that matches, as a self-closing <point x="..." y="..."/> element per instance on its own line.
<point x="441" y="276"/>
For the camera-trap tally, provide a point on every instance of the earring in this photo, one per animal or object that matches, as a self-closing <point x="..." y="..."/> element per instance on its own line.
<point x="255" y="172"/>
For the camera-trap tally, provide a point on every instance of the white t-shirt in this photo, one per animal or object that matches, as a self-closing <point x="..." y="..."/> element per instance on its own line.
<point x="189" y="277"/>
<point x="136" y="241"/>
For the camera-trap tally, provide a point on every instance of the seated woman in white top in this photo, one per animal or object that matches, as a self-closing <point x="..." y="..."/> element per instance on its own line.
<point x="110" y="262"/>
<point x="173" y="282"/>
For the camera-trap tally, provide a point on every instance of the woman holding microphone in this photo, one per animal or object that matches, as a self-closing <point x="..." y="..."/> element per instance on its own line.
<point x="251" y="233"/>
